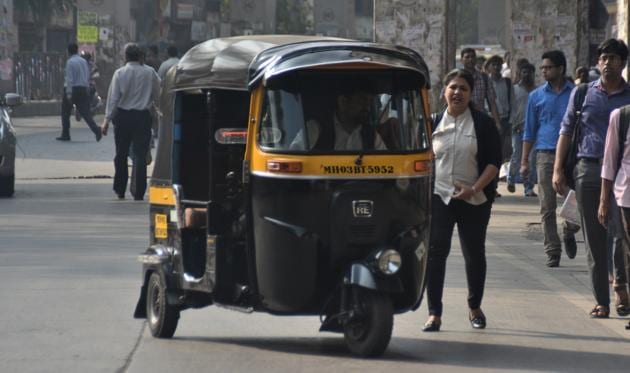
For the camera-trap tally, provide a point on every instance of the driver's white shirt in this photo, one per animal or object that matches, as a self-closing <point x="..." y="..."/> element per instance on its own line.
<point x="343" y="140"/>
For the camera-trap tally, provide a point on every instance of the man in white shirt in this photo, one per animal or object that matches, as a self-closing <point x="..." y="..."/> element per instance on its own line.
<point x="76" y="87"/>
<point x="172" y="60"/>
<point x="133" y="91"/>
<point x="351" y="130"/>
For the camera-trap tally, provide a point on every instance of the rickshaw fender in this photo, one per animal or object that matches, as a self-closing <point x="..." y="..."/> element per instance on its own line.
<point x="172" y="295"/>
<point x="361" y="275"/>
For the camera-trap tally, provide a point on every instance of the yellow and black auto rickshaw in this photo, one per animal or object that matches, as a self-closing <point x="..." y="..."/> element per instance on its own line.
<point x="292" y="177"/>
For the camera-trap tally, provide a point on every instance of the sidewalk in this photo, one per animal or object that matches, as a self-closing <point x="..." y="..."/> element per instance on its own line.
<point x="40" y="156"/>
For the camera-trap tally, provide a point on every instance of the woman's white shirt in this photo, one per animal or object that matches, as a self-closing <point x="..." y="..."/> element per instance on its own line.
<point x="455" y="149"/>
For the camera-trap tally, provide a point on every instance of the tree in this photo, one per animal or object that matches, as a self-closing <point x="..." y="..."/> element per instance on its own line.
<point x="291" y="17"/>
<point x="466" y="14"/>
<point x="42" y="11"/>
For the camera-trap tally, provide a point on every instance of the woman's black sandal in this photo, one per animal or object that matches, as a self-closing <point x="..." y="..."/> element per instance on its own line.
<point x="477" y="321"/>
<point x="432" y="326"/>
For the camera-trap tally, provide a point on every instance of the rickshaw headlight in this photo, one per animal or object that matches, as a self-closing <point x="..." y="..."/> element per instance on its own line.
<point x="389" y="261"/>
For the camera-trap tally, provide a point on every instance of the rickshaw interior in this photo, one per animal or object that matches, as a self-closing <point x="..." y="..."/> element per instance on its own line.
<point x="302" y="107"/>
<point x="209" y="171"/>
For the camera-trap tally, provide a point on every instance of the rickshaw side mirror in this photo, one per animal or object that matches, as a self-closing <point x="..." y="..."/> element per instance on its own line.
<point x="227" y="136"/>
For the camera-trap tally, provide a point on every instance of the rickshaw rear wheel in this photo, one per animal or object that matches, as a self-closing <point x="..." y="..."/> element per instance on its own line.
<point x="369" y="331"/>
<point x="162" y="317"/>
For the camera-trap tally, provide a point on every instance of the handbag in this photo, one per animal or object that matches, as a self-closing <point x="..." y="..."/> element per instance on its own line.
<point x="570" y="160"/>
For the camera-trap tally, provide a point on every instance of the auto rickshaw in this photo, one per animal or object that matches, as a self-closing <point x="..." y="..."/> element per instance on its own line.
<point x="255" y="205"/>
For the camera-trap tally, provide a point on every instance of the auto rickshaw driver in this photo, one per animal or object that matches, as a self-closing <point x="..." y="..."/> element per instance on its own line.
<point x="350" y="131"/>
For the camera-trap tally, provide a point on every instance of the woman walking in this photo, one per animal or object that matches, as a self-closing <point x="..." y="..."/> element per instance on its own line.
<point x="467" y="151"/>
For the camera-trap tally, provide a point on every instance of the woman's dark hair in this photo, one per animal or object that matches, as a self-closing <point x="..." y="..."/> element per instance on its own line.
<point x="615" y="46"/>
<point x="132" y="52"/>
<point x="460" y="73"/>
<point x="558" y="59"/>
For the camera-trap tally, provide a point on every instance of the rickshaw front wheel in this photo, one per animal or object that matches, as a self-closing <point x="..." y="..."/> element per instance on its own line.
<point x="369" y="331"/>
<point x="161" y="316"/>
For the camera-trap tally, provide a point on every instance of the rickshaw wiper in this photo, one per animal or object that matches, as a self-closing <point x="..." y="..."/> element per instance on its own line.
<point x="359" y="160"/>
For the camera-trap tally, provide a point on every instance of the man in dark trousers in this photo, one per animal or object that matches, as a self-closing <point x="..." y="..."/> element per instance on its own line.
<point x="607" y="93"/>
<point x="132" y="92"/>
<point x="76" y="92"/>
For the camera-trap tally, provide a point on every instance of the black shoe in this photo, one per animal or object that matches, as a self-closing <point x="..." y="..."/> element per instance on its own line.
<point x="120" y="196"/>
<point x="478" y="322"/>
<point x="511" y="188"/>
<point x="137" y="198"/>
<point x="553" y="261"/>
<point x="99" y="136"/>
<point x="63" y="138"/>
<point x="432" y="326"/>
<point x="570" y="246"/>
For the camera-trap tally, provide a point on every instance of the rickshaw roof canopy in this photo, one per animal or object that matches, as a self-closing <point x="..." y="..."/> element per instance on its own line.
<point x="241" y="62"/>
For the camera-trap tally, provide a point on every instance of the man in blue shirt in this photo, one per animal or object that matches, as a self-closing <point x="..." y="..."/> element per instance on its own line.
<point x="76" y="88"/>
<point x="604" y="95"/>
<point x="545" y="107"/>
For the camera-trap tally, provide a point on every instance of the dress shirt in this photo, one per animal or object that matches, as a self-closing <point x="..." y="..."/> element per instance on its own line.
<point x="503" y="97"/>
<point x="520" y="103"/>
<point x="545" y="108"/>
<point x="343" y="140"/>
<point x="77" y="73"/>
<point x="483" y="90"/>
<point x="598" y="105"/>
<point x="620" y="177"/>
<point x="166" y="65"/>
<point x="455" y="148"/>
<point x="133" y="87"/>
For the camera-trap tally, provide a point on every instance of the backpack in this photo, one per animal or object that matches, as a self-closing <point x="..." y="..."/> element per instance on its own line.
<point x="571" y="158"/>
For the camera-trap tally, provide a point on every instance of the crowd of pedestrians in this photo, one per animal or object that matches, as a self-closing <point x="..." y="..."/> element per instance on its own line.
<point x="540" y="122"/>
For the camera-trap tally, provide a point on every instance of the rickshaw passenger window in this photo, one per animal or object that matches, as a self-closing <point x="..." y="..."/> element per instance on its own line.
<point x="329" y="112"/>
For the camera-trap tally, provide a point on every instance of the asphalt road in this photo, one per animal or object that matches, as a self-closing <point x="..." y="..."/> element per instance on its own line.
<point x="69" y="282"/>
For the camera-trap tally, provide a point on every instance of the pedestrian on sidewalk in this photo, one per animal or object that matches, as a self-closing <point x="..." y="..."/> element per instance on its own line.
<point x="504" y="100"/>
<point x="607" y="93"/>
<point x="134" y="89"/>
<point x="521" y="93"/>
<point x="615" y="195"/>
<point x="467" y="159"/>
<point x="172" y="60"/>
<point x="76" y="92"/>
<point x="545" y="107"/>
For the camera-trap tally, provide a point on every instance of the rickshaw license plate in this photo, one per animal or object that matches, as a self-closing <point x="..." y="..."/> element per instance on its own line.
<point x="161" y="226"/>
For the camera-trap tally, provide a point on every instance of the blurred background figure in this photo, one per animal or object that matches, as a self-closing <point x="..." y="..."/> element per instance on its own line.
<point x="581" y="75"/>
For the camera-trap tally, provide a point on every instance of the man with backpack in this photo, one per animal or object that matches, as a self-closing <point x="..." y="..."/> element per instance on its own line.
<point x="545" y="107"/>
<point x="604" y="95"/>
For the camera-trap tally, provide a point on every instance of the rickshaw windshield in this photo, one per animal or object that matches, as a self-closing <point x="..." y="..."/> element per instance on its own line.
<point x="328" y="112"/>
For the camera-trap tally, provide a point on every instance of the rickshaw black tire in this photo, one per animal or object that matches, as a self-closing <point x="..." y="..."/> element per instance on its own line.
<point x="161" y="317"/>
<point x="7" y="185"/>
<point x="379" y="322"/>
